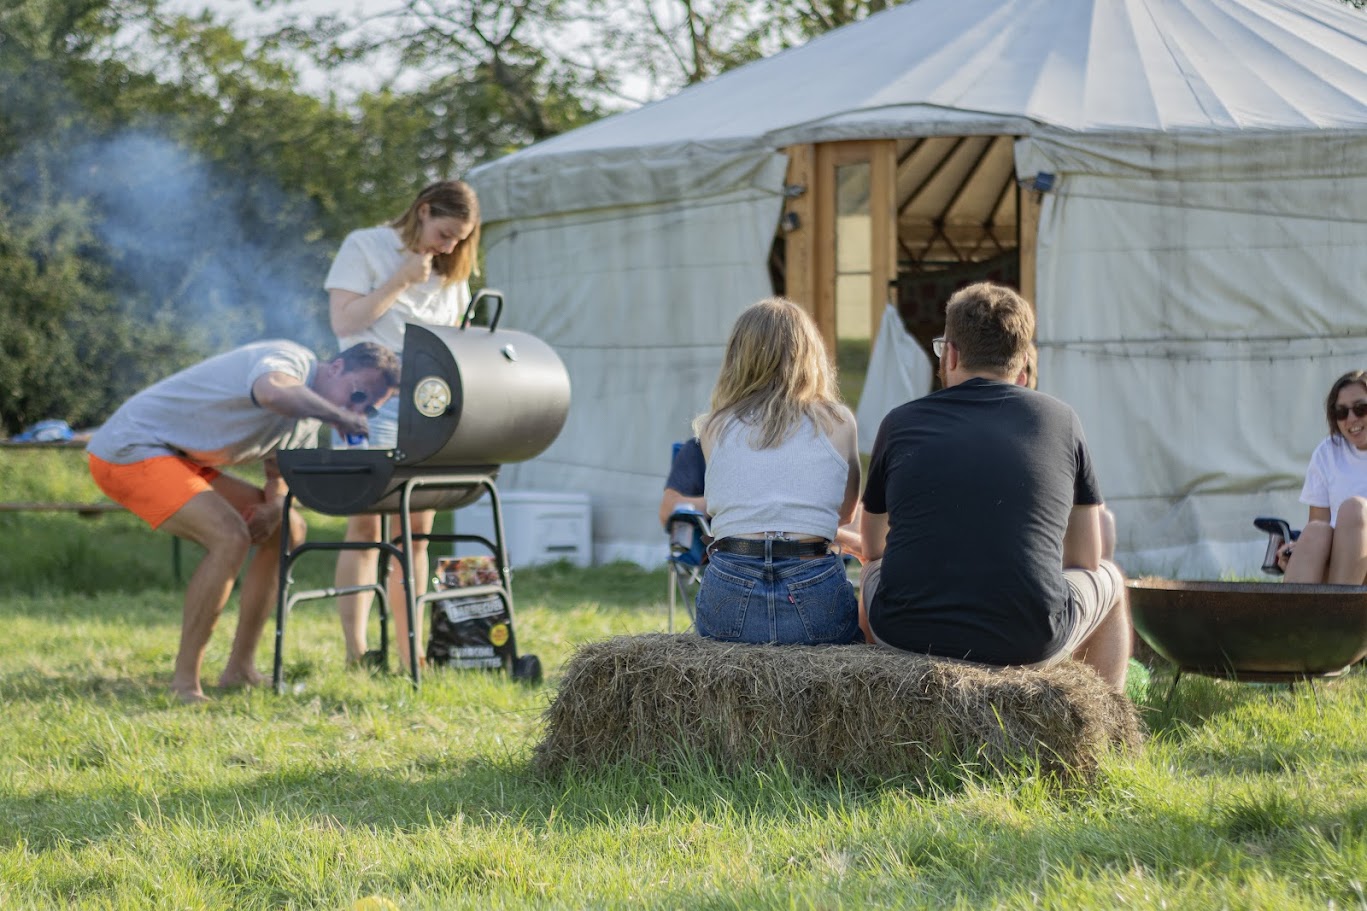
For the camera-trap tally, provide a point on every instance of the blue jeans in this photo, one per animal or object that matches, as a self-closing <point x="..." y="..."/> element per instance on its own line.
<point x="788" y="602"/>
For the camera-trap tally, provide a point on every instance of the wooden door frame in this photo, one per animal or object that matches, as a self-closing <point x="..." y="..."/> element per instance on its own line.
<point x="809" y="220"/>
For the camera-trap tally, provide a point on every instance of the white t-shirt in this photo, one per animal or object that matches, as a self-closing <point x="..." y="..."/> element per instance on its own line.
<point x="365" y="261"/>
<point x="206" y="412"/>
<point x="1337" y="471"/>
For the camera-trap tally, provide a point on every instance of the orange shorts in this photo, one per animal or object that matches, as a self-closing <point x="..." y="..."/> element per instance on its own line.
<point x="154" y="489"/>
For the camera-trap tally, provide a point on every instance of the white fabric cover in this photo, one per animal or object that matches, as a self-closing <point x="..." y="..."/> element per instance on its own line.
<point x="1200" y="266"/>
<point x="899" y="371"/>
<point x="638" y="305"/>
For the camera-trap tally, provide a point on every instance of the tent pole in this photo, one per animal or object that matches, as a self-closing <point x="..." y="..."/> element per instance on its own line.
<point x="799" y="227"/>
<point x="822" y="189"/>
<point x="1027" y="237"/>
<point x="882" y="228"/>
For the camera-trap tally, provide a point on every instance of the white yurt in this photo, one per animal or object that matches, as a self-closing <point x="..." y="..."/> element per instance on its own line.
<point x="1179" y="186"/>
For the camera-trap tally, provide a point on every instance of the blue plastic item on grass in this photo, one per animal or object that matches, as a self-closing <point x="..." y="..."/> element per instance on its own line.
<point x="45" y="432"/>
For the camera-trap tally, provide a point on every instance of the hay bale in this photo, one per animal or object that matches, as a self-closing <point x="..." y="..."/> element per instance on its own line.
<point x="852" y="710"/>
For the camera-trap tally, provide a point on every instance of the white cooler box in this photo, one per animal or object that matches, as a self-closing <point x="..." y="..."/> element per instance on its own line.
<point x="540" y="527"/>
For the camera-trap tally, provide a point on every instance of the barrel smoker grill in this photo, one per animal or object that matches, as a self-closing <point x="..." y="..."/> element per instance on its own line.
<point x="470" y="400"/>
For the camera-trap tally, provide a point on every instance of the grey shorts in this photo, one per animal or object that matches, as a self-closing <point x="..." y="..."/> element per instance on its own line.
<point x="1091" y="595"/>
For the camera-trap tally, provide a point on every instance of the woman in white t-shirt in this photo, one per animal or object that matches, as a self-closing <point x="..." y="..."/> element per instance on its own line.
<point x="413" y="270"/>
<point x="1333" y="545"/>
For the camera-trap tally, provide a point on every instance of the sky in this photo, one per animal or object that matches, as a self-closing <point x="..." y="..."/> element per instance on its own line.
<point x="248" y="20"/>
<point x="246" y="12"/>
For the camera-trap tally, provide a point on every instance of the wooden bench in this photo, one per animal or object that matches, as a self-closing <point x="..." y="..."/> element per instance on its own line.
<point x="85" y="510"/>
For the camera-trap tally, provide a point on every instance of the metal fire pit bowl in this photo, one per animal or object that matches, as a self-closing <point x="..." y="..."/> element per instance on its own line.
<point x="1252" y="631"/>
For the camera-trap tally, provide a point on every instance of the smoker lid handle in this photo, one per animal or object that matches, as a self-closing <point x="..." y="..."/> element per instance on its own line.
<point x="333" y="469"/>
<point x="470" y="310"/>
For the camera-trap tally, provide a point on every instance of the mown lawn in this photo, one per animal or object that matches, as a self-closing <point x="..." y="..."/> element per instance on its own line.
<point x="114" y="796"/>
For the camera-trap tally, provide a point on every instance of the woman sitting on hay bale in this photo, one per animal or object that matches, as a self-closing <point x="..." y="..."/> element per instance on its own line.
<point x="782" y="476"/>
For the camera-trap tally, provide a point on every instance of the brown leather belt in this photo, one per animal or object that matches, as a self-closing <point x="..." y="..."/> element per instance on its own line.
<point x="777" y="547"/>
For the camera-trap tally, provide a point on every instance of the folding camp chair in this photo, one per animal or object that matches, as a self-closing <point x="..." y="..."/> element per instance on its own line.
<point x="689" y="533"/>
<point x="1278" y="533"/>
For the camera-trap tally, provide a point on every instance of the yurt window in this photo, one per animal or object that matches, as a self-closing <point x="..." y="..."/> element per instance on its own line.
<point x="853" y="264"/>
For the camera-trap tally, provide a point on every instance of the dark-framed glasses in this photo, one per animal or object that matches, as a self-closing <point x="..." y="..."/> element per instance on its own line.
<point x="1358" y="410"/>
<point x="937" y="345"/>
<point x="360" y="397"/>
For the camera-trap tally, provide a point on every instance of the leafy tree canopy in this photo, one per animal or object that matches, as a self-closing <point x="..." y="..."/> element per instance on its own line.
<point x="168" y="190"/>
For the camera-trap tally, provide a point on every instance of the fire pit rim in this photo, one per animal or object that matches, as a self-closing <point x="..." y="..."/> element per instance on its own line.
<point x="1252" y="630"/>
<point x="1156" y="583"/>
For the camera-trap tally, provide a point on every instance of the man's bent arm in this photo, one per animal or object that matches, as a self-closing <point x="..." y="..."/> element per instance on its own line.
<point x="674" y="499"/>
<point x="873" y="529"/>
<point x="264" y="518"/>
<point x="1082" y="539"/>
<point x="288" y="395"/>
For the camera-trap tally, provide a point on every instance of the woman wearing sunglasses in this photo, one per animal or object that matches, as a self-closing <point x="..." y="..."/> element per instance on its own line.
<point x="415" y="269"/>
<point x="1333" y="545"/>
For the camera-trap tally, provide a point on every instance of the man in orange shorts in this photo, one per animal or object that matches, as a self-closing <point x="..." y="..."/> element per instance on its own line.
<point x="159" y="456"/>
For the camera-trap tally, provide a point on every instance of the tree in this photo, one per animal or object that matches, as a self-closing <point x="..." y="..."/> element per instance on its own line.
<point x="674" y="43"/>
<point x="164" y="196"/>
<point x="487" y="81"/>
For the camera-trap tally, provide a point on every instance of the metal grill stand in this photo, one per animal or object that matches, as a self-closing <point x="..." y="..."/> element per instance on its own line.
<point x="399" y="548"/>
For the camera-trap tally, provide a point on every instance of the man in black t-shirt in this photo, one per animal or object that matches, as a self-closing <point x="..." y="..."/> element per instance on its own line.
<point x="982" y="504"/>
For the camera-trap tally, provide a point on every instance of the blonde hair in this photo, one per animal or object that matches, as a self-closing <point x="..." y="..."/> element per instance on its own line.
<point x="445" y="199"/>
<point x="774" y="373"/>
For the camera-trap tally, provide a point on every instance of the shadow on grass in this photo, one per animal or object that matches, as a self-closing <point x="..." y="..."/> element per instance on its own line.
<point x="131" y="694"/>
<point x="481" y="790"/>
<point x="974" y="854"/>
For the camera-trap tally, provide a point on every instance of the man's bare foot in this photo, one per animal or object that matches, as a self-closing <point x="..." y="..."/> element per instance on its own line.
<point x="190" y="695"/>
<point x="232" y="679"/>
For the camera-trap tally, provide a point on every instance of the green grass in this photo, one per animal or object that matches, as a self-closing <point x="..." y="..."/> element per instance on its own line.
<point x="852" y="362"/>
<point x="113" y="796"/>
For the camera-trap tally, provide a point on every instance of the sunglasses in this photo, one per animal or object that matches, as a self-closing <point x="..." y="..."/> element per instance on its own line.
<point x="1359" y="410"/>
<point x="937" y="345"/>
<point x="359" y="396"/>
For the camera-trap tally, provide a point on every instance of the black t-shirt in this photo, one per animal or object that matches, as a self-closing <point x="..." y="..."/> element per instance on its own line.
<point x="688" y="470"/>
<point x="978" y="481"/>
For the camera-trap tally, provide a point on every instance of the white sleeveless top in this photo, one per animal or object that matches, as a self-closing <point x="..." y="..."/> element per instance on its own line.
<point x="796" y="487"/>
